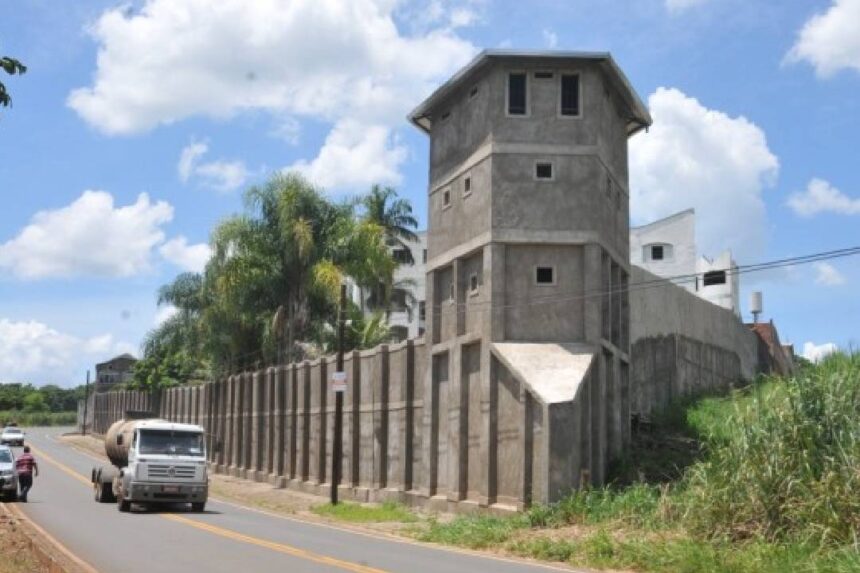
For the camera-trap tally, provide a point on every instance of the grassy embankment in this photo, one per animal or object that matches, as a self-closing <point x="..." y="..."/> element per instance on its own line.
<point x="31" y="419"/>
<point x="771" y="483"/>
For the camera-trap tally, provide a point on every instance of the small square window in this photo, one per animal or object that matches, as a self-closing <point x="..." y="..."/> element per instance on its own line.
<point x="543" y="171"/>
<point x="424" y="256"/>
<point x="473" y="284"/>
<point x="467" y="185"/>
<point x="657" y="253"/>
<point x="545" y="275"/>
<point x="446" y="197"/>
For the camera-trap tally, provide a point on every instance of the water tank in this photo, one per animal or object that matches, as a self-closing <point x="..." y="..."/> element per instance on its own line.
<point x="755" y="303"/>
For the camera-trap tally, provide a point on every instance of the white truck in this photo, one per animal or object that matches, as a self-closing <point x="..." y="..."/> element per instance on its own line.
<point x="155" y="462"/>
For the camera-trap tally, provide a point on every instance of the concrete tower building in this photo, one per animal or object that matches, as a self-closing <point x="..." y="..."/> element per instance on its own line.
<point x="528" y="237"/>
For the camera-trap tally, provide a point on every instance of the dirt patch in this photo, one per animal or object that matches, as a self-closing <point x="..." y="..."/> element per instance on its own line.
<point x="17" y="550"/>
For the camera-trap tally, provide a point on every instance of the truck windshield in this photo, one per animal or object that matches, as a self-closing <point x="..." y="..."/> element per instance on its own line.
<point x="5" y="457"/>
<point x="169" y="442"/>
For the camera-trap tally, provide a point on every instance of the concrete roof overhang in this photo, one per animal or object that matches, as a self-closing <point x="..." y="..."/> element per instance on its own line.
<point x="552" y="371"/>
<point x="638" y="119"/>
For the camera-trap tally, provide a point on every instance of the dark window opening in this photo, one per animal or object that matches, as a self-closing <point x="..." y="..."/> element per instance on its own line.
<point x="422" y="310"/>
<point x="467" y="185"/>
<point x="714" y="278"/>
<point x="543" y="75"/>
<point x="517" y="94"/>
<point x="543" y="170"/>
<point x="446" y="115"/>
<point x="570" y="95"/>
<point x="657" y="253"/>
<point x="399" y="301"/>
<point x="446" y="197"/>
<point x="402" y="256"/>
<point x="424" y="256"/>
<point x="473" y="92"/>
<point x="545" y="275"/>
<point x="473" y="283"/>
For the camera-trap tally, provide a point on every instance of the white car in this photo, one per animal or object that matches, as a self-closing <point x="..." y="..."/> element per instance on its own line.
<point x="12" y="436"/>
<point x="8" y="474"/>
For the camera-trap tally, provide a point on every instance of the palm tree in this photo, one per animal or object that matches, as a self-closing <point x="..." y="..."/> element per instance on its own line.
<point x="394" y="217"/>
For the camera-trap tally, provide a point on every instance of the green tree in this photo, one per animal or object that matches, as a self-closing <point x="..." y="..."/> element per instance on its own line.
<point x="11" y="66"/>
<point x="35" y="402"/>
<point x="362" y="331"/>
<point x="394" y="215"/>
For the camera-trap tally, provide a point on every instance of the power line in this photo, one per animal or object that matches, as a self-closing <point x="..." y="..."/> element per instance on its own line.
<point x="677" y="280"/>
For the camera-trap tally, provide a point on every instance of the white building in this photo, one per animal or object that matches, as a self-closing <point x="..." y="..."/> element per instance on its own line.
<point x="667" y="248"/>
<point x="407" y="300"/>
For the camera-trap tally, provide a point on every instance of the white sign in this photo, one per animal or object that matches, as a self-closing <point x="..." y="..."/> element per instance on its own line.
<point x="338" y="381"/>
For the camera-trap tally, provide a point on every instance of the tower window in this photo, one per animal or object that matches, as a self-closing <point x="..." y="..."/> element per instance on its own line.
<point x="714" y="278"/>
<point x="446" y="197"/>
<point x="543" y="171"/>
<point x="473" y="92"/>
<point x="545" y="275"/>
<point x="473" y="284"/>
<point x="517" y="98"/>
<point x="570" y="95"/>
<point x="467" y="185"/>
<point x="446" y="115"/>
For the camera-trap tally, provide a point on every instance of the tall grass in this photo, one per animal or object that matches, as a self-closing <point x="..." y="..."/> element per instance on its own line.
<point x="31" y="419"/>
<point x="788" y="465"/>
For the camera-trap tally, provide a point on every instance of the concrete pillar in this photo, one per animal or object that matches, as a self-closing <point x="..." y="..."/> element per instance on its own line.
<point x="598" y="418"/>
<point x="248" y="422"/>
<point x="257" y="432"/>
<point x="354" y="394"/>
<point x="592" y="279"/>
<point x="380" y="418"/>
<point x="279" y="427"/>
<point x="305" y="424"/>
<point x="322" y="423"/>
<point x="292" y="421"/>
<point x="458" y="429"/>
<point x="407" y="435"/>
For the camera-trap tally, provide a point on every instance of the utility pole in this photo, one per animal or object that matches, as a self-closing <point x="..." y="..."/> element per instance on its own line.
<point x="86" y="402"/>
<point x="339" y="385"/>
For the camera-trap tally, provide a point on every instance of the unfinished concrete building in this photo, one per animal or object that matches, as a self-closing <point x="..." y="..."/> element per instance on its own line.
<point x="528" y="237"/>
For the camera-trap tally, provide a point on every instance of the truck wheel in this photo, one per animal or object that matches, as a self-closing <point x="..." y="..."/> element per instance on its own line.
<point x="123" y="505"/>
<point x="198" y="507"/>
<point x="104" y="493"/>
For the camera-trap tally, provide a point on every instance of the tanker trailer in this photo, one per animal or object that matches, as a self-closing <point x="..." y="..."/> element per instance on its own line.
<point x="154" y="462"/>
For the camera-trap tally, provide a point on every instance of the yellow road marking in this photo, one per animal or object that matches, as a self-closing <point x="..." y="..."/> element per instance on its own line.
<point x="279" y="547"/>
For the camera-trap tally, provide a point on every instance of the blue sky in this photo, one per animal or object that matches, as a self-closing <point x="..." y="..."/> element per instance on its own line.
<point x="755" y="106"/>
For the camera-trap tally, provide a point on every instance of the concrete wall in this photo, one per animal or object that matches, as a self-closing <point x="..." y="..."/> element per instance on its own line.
<point x="682" y="344"/>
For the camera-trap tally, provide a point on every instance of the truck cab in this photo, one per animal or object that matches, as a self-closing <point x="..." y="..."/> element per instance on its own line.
<point x="155" y="462"/>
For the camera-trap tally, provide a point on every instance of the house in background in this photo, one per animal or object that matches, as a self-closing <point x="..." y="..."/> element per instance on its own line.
<point x="667" y="248"/>
<point x="407" y="310"/>
<point x="117" y="370"/>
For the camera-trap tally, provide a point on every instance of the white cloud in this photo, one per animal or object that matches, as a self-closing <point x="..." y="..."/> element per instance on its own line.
<point x="355" y="155"/>
<point x="828" y="275"/>
<point x="33" y="352"/>
<point x="90" y="237"/>
<point x="550" y="38"/>
<point x="329" y="60"/>
<point x="821" y="197"/>
<point x="164" y="313"/>
<point x="830" y="41"/>
<point x="698" y="157"/>
<point x="187" y="257"/>
<point x="222" y="176"/>
<point x="676" y="6"/>
<point x="815" y="352"/>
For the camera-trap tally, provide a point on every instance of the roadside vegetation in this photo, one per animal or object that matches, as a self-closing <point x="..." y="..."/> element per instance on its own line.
<point x="357" y="513"/>
<point x="47" y="405"/>
<point x="269" y="293"/>
<point x="771" y="484"/>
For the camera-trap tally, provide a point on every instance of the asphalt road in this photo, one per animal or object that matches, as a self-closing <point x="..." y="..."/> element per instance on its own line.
<point x="226" y="538"/>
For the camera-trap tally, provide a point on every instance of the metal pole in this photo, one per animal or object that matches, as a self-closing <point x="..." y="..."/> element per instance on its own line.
<point x="337" y="454"/>
<point x="86" y="401"/>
